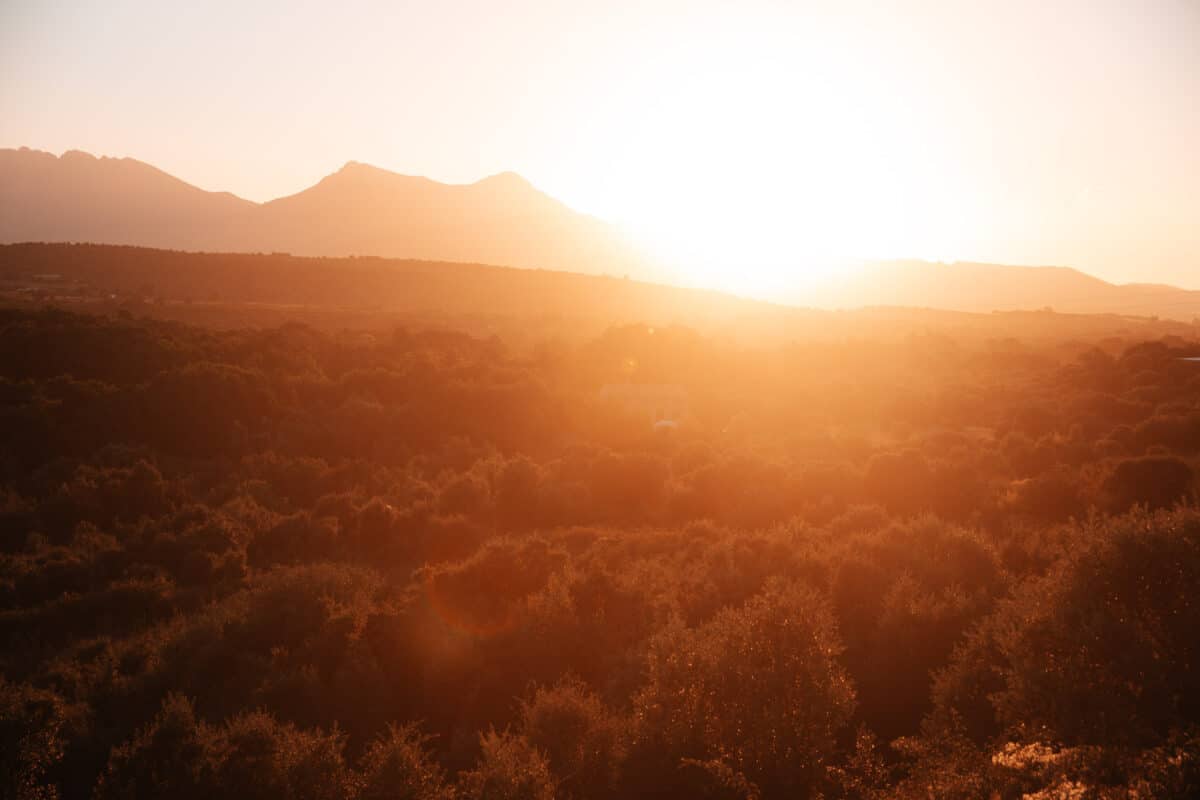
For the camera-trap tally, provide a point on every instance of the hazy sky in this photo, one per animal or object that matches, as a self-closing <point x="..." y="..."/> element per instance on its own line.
<point x="752" y="139"/>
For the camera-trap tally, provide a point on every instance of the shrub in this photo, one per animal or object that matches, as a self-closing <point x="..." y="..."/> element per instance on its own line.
<point x="579" y="736"/>
<point x="1104" y="648"/>
<point x="510" y="768"/>
<point x="757" y="689"/>
<point x="170" y="757"/>
<point x="396" y="766"/>
<point x="1152" y="481"/>
<point x="31" y="741"/>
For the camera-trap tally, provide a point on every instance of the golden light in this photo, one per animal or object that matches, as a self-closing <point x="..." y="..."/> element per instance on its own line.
<point x="755" y="161"/>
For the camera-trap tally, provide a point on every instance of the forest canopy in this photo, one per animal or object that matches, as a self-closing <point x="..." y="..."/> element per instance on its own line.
<point x="414" y="562"/>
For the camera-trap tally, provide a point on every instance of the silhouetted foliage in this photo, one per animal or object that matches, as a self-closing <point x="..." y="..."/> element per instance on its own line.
<point x="509" y="768"/>
<point x="1151" y="481"/>
<point x="754" y="695"/>
<point x="31" y="741"/>
<point x="293" y="563"/>
<point x="583" y="741"/>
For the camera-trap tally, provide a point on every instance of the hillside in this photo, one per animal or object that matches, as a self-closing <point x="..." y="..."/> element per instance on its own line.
<point x="359" y="209"/>
<point x="521" y="305"/>
<point x="81" y="198"/>
<point x="965" y="286"/>
<point x="397" y="286"/>
<point x="500" y="220"/>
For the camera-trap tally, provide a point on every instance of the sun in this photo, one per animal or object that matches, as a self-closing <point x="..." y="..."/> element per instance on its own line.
<point x="760" y="170"/>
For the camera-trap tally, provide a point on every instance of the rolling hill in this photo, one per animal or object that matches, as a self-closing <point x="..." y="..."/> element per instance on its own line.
<point x="965" y="286"/>
<point x="528" y="306"/>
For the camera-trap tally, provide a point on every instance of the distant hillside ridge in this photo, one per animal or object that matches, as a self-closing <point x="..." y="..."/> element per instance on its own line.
<point x="233" y="290"/>
<point x="976" y="287"/>
<point x="500" y="220"/>
<point x="358" y="210"/>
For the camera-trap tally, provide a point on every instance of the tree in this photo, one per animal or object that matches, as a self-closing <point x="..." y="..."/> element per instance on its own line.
<point x="580" y="737"/>
<point x="31" y="741"/>
<point x="510" y="768"/>
<point x="755" y="695"/>
<point x="1103" y="650"/>
<point x="170" y="757"/>
<point x="1152" y="481"/>
<point x="396" y="766"/>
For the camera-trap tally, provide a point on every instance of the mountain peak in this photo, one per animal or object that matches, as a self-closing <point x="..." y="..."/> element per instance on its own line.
<point x="362" y="172"/>
<point x="507" y="179"/>
<point x="359" y="168"/>
<point x="500" y="180"/>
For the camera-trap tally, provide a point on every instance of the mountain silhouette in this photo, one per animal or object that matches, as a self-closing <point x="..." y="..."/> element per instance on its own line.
<point x="359" y="209"/>
<point x="82" y="198"/>
<point x="500" y="220"/>
<point x="976" y="287"/>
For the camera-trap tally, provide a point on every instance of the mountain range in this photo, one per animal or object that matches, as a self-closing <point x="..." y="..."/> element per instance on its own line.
<point x="359" y="209"/>
<point x="500" y="220"/>
<point x="967" y="286"/>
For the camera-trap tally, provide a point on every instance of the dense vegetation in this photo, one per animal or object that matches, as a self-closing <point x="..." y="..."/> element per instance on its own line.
<point x="283" y="563"/>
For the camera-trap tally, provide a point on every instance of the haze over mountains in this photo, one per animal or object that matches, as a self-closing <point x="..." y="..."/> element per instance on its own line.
<point x="359" y="209"/>
<point x="79" y="197"/>
<point x="500" y="220"/>
<point x="963" y="286"/>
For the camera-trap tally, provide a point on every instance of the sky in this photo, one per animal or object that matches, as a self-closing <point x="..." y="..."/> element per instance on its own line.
<point x="755" y="143"/>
